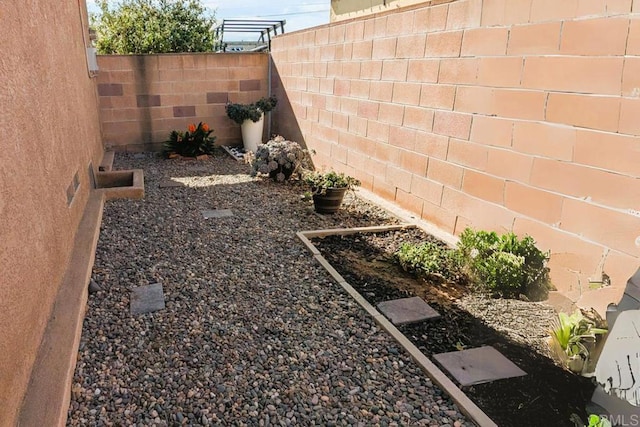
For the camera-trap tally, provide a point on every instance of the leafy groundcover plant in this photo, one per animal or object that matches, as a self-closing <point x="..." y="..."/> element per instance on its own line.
<point x="197" y="140"/>
<point x="502" y="265"/>
<point x="505" y="265"/>
<point x="430" y="259"/>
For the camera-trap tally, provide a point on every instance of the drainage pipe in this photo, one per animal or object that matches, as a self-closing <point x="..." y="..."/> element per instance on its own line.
<point x="269" y="94"/>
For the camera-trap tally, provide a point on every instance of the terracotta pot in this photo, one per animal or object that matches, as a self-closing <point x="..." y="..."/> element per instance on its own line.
<point x="329" y="202"/>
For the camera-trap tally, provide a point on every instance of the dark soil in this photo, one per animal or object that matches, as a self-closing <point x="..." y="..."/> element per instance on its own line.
<point x="547" y="396"/>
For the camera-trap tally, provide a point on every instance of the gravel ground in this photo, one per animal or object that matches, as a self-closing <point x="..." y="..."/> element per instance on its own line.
<point x="524" y="322"/>
<point x="254" y="331"/>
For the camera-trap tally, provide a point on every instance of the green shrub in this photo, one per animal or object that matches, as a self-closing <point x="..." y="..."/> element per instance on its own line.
<point x="430" y="259"/>
<point x="506" y="266"/>
<point x="152" y="26"/>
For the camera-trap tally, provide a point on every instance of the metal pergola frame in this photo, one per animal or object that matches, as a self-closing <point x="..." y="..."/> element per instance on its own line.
<point x="265" y="28"/>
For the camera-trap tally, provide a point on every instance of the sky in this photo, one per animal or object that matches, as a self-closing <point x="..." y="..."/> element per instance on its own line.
<point x="298" y="14"/>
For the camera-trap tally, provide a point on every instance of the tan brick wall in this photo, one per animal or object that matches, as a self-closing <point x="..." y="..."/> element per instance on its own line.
<point x="49" y="132"/>
<point x="498" y="114"/>
<point x="144" y="97"/>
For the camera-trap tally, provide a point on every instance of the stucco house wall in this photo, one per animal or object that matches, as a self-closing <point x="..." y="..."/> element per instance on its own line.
<point x="504" y="115"/>
<point x="49" y="133"/>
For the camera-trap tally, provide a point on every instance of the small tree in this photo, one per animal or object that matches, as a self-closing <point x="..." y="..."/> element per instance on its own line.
<point x="153" y="26"/>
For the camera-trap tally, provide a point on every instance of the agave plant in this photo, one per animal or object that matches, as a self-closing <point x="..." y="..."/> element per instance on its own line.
<point x="571" y="332"/>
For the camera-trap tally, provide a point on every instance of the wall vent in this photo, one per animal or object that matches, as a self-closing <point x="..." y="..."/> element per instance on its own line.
<point x="72" y="189"/>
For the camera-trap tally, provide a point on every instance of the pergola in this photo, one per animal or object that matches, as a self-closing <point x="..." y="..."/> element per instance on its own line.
<point x="265" y="28"/>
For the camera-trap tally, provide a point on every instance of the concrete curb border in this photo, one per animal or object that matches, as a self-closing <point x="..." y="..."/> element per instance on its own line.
<point x="465" y="404"/>
<point x="46" y="400"/>
<point x="48" y="394"/>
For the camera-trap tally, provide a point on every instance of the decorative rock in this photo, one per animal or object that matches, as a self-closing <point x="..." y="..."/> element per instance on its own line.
<point x="93" y="287"/>
<point x="220" y="280"/>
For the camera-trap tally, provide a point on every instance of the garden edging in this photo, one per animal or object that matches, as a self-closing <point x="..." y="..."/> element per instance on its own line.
<point x="433" y="372"/>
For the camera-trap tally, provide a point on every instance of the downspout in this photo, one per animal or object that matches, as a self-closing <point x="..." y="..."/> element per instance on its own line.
<point x="269" y="94"/>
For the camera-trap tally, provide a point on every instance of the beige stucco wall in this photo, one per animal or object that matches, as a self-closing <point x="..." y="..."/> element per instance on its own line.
<point x="144" y="97"/>
<point x="496" y="114"/>
<point x="49" y="131"/>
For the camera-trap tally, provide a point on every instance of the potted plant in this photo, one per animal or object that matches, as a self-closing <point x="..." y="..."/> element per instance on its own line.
<point x="573" y="338"/>
<point x="279" y="159"/>
<point x="328" y="189"/>
<point x="196" y="141"/>
<point x="250" y="117"/>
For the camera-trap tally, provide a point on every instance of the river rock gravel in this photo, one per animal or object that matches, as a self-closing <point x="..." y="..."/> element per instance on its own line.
<point x="254" y="331"/>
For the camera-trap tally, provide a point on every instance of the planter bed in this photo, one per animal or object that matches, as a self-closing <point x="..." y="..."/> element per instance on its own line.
<point x="548" y="395"/>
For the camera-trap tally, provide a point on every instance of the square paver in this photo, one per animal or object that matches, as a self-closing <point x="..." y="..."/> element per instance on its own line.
<point x="170" y="184"/>
<point x="478" y="365"/>
<point x="146" y="299"/>
<point x="407" y="310"/>
<point x="217" y="213"/>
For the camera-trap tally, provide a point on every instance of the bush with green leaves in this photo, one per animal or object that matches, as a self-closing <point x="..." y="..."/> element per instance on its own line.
<point x="430" y="259"/>
<point x="153" y="26"/>
<point x="505" y="265"/>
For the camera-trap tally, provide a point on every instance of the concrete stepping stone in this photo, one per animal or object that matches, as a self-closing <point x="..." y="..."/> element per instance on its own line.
<point x="478" y="365"/>
<point x="170" y="184"/>
<point x="146" y="299"/>
<point x="407" y="310"/>
<point x="217" y="213"/>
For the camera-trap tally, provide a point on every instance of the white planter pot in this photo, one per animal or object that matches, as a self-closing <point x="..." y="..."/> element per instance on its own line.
<point x="252" y="133"/>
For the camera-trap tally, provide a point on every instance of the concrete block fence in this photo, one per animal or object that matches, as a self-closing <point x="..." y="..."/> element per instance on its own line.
<point x="144" y="97"/>
<point x="504" y="115"/>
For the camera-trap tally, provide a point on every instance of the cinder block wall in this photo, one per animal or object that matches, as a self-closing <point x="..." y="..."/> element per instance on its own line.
<point x="504" y="115"/>
<point x="144" y="97"/>
<point x="49" y="134"/>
